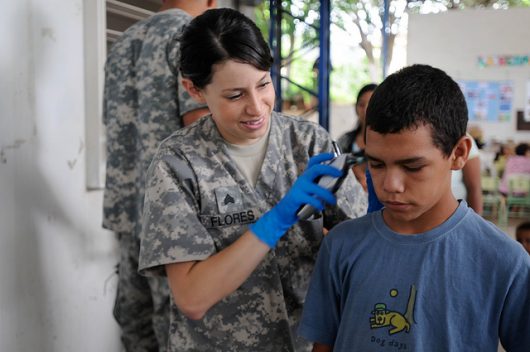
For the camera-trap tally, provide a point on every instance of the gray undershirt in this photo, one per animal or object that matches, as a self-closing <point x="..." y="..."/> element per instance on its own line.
<point x="249" y="158"/>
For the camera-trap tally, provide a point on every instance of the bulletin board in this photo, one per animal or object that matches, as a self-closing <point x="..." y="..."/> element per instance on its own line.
<point x="489" y="101"/>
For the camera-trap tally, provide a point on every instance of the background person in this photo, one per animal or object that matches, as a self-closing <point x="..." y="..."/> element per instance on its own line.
<point x="353" y="141"/>
<point x="516" y="164"/>
<point x="143" y="103"/>
<point x="522" y="235"/>
<point x="466" y="183"/>
<point x="220" y="209"/>
<point x="506" y="150"/>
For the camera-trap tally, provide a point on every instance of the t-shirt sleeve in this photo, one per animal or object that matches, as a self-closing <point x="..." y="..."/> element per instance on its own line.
<point x="515" y="320"/>
<point x="172" y="231"/>
<point x="321" y="314"/>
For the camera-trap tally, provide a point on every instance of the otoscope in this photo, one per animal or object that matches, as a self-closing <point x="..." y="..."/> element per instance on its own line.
<point x="342" y="162"/>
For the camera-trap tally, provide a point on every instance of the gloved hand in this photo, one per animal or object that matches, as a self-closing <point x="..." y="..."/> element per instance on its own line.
<point x="274" y="223"/>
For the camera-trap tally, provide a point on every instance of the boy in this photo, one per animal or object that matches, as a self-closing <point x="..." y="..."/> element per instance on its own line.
<point x="522" y="234"/>
<point x="425" y="273"/>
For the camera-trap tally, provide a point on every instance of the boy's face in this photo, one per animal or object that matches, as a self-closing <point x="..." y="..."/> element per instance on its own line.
<point x="523" y="237"/>
<point x="412" y="178"/>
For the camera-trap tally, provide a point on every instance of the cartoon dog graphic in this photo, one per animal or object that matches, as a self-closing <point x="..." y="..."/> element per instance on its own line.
<point x="383" y="317"/>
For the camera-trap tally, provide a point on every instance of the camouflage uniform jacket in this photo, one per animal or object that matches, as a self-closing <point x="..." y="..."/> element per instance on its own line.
<point x="143" y="101"/>
<point x="190" y="215"/>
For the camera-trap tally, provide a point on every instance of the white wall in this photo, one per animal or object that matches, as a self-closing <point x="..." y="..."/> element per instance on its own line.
<point x="453" y="40"/>
<point x="56" y="263"/>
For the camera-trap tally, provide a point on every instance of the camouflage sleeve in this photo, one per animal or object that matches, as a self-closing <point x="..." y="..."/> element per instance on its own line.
<point x="352" y="201"/>
<point x="172" y="231"/>
<point x="119" y="201"/>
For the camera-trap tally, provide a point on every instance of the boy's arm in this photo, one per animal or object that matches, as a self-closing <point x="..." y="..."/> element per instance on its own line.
<point x="321" y="314"/>
<point x="318" y="347"/>
<point x="515" y="319"/>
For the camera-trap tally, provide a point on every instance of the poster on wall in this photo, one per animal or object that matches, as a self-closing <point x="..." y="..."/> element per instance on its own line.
<point x="485" y="61"/>
<point x="488" y="100"/>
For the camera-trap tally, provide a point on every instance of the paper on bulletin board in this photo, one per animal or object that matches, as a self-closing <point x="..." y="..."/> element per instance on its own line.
<point x="488" y="100"/>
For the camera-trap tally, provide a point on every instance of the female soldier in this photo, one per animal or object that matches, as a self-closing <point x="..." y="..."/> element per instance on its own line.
<point x="221" y="194"/>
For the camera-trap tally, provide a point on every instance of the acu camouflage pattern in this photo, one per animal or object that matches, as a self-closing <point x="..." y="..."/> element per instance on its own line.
<point x="143" y="101"/>
<point x="142" y="304"/>
<point x="188" y="217"/>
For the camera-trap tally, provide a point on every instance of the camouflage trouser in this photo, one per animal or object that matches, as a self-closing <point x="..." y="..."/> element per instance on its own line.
<point x="142" y="304"/>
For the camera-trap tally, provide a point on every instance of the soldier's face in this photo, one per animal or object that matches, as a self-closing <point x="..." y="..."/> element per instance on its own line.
<point x="240" y="98"/>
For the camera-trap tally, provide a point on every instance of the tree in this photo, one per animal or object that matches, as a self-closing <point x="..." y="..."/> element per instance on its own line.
<point x="299" y="35"/>
<point x="367" y="15"/>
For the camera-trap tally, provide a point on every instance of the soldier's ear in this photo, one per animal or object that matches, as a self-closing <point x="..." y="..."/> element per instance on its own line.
<point x="194" y="92"/>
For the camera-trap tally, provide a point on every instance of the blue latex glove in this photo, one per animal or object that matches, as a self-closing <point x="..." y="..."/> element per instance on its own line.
<point x="274" y="223"/>
<point x="373" y="202"/>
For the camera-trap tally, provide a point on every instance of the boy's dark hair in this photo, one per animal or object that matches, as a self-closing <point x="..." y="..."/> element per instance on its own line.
<point x="525" y="226"/>
<point x="420" y="95"/>
<point x="219" y="35"/>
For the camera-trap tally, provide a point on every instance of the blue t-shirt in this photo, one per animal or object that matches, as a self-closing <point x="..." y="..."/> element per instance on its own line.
<point x="458" y="287"/>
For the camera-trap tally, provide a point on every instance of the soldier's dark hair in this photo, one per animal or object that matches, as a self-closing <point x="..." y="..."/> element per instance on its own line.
<point x="219" y="35"/>
<point x="420" y="95"/>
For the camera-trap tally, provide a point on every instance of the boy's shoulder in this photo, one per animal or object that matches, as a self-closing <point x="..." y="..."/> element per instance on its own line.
<point x="489" y="238"/>
<point x="465" y="226"/>
<point x="353" y="230"/>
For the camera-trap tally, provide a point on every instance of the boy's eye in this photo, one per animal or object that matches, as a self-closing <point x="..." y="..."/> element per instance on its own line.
<point x="375" y="165"/>
<point x="413" y="168"/>
<point x="264" y="84"/>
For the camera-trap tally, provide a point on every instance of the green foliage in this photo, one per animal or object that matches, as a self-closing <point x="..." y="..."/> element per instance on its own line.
<point x="263" y="18"/>
<point x="346" y="80"/>
<point x="365" y="14"/>
<point x="301" y="73"/>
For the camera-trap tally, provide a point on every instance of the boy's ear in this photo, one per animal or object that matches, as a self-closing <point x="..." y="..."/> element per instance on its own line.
<point x="460" y="153"/>
<point x="194" y="92"/>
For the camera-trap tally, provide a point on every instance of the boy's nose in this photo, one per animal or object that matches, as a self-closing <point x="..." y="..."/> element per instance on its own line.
<point x="393" y="182"/>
